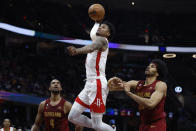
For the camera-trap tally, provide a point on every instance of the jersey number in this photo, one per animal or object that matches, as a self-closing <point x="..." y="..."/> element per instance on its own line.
<point x="52" y="123"/>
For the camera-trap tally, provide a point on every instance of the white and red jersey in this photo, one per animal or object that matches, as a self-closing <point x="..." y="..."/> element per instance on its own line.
<point x="96" y="60"/>
<point x="95" y="92"/>
<point x="11" y="129"/>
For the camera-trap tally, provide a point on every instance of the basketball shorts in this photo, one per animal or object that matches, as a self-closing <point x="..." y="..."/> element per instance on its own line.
<point x="94" y="95"/>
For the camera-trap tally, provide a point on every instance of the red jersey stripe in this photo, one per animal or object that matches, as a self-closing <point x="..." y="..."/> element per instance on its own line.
<point x="97" y="62"/>
<point x="82" y="103"/>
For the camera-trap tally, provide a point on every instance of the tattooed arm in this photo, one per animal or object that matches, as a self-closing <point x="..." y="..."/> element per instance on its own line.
<point x="155" y="98"/>
<point x="99" y="44"/>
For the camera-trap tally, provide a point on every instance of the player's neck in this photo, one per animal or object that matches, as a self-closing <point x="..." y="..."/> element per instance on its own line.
<point x="55" y="97"/>
<point x="150" y="79"/>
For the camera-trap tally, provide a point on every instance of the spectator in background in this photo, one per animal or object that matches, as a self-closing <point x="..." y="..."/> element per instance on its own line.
<point x="7" y="125"/>
<point x="19" y="129"/>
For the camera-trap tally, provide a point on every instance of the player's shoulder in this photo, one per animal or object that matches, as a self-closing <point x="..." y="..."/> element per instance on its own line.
<point x="63" y="100"/>
<point x="133" y="82"/>
<point x="101" y="39"/>
<point x="67" y="106"/>
<point x="42" y="104"/>
<point x="67" y="103"/>
<point x="161" y="85"/>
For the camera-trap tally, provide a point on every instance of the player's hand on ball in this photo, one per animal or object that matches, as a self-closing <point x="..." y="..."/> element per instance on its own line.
<point x="72" y="50"/>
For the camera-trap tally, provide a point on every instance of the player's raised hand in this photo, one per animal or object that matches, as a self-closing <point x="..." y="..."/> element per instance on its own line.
<point x="72" y="50"/>
<point x="115" y="83"/>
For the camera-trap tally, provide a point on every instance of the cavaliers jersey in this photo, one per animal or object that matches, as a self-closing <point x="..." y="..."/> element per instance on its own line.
<point x="54" y="116"/>
<point x="148" y="115"/>
<point x="96" y="60"/>
<point x="11" y="129"/>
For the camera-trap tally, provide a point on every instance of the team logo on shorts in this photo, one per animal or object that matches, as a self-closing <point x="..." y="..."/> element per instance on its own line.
<point x="98" y="102"/>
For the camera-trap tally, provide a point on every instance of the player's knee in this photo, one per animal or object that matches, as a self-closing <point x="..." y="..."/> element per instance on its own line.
<point x="71" y="117"/>
<point x="96" y="126"/>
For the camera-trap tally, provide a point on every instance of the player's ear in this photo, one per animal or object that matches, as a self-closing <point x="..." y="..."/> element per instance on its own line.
<point x="61" y="88"/>
<point x="157" y="74"/>
<point x="108" y="34"/>
<point x="49" y="88"/>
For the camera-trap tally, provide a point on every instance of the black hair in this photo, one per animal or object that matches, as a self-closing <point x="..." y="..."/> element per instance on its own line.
<point x="111" y="29"/>
<point x="7" y="118"/>
<point x="161" y="69"/>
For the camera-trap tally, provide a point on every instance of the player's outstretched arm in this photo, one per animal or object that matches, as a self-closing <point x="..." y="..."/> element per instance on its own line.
<point x="39" y="117"/>
<point x="156" y="97"/>
<point x="67" y="108"/>
<point x="98" y="44"/>
<point x="116" y="84"/>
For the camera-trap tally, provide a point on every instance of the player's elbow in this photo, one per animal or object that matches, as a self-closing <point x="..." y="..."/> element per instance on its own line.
<point x="35" y="127"/>
<point x="150" y="104"/>
<point x="91" y="49"/>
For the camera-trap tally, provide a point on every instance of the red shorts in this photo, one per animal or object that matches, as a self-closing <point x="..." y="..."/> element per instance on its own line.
<point x="158" y="125"/>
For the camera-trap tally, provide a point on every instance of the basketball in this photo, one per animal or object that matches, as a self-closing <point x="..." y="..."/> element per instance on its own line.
<point x="96" y="12"/>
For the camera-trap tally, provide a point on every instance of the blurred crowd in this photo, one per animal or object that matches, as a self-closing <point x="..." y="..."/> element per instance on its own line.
<point x="30" y="73"/>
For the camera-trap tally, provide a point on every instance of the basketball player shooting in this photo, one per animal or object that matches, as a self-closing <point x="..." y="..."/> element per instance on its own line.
<point x="150" y="94"/>
<point x="95" y="92"/>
